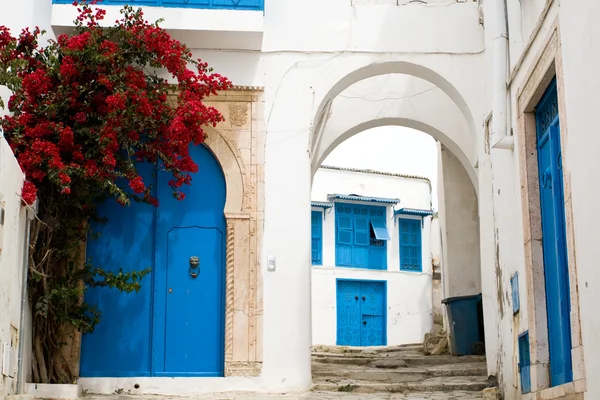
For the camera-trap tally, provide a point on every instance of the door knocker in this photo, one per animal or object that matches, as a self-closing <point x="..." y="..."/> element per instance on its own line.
<point x="194" y="269"/>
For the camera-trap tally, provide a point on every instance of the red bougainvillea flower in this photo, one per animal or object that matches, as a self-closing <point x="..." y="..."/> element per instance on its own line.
<point x="87" y="109"/>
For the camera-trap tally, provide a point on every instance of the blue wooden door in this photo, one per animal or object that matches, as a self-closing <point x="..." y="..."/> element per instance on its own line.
<point x="373" y="313"/>
<point x="361" y="317"/>
<point x="120" y="344"/>
<point x="554" y="237"/>
<point x="348" y="313"/>
<point x="175" y="325"/>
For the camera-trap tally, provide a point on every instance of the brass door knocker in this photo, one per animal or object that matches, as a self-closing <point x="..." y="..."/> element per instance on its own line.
<point x="194" y="269"/>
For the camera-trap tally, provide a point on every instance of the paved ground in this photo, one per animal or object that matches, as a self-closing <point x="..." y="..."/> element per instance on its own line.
<point x="455" y="395"/>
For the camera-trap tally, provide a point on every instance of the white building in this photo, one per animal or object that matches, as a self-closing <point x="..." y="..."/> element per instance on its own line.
<point x="371" y="258"/>
<point x="480" y="77"/>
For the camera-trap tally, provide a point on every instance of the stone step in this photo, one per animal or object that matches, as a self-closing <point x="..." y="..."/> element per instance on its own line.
<point x="366" y="350"/>
<point x="439" y="384"/>
<point x="394" y="361"/>
<point x="397" y="375"/>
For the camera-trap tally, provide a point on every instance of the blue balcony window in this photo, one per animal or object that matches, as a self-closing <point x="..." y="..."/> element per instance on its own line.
<point x="200" y="4"/>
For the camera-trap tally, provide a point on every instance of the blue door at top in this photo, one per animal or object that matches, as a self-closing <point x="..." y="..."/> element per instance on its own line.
<point x="361" y="316"/>
<point x="554" y="237"/>
<point x="174" y="325"/>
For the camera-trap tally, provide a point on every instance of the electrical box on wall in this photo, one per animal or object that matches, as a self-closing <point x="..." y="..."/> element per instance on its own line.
<point x="8" y="369"/>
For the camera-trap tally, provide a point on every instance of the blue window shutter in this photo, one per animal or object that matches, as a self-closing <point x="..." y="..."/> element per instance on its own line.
<point x="379" y="228"/>
<point x="410" y="244"/>
<point x="514" y="285"/>
<point x="317" y="237"/>
<point x="344" y="234"/>
<point x="362" y="234"/>
<point x="344" y="241"/>
<point x="524" y="363"/>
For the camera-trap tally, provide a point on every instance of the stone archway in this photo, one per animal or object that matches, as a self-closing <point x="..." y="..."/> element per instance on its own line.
<point x="384" y="68"/>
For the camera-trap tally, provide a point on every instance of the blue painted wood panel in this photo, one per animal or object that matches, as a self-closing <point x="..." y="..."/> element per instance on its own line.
<point x="361" y="313"/>
<point x="214" y="4"/>
<point x="358" y="245"/>
<point x="524" y="362"/>
<point x="120" y="344"/>
<point x="410" y="244"/>
<point x="316" y="233"/>
<point x="514" y="287"/>
<point x="348" y="313"/>
<point x="180" y="328"/>
<point x="554" y="237"/>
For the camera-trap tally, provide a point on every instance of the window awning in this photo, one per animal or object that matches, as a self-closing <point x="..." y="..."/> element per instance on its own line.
<point x="354" y="197"/>
<point x="379" y="228"/>
<point x="413" y="211"/>
<point x="321" y="204"/>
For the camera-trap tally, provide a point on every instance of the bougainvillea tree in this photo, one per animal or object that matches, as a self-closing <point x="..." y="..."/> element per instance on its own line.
<point x="85" y="109"/>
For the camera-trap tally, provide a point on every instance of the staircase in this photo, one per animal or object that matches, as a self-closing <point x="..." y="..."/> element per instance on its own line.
<point x="400" y="369"/>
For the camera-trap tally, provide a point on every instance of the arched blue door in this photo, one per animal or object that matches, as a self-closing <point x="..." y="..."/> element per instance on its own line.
<point x="174" y="325"/>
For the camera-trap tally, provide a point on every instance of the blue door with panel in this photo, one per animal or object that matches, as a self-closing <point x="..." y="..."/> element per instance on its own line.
<point x="174" y="325"/>
<point x="554" y="237"/>
<point x="361" y="316"/>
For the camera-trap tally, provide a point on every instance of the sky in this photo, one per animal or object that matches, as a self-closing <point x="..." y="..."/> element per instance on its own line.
<point x="390" y="149"/>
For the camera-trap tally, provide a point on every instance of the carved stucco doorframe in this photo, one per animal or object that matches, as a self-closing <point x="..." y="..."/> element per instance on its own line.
<point x="241" y="220"/>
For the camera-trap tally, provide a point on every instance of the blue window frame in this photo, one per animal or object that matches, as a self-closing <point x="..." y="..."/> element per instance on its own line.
<point x="316" y="230"/>
<point x="361" y="236"/>
<point x="410" y="244"/>
<point x="212" y="4"/>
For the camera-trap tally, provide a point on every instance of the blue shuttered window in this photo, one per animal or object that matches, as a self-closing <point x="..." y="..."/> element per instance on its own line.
<point x="361" y="236"/>
<point x="317" y="237"/>
<point x="524" y="363"/>
<point x="410" y="244"/>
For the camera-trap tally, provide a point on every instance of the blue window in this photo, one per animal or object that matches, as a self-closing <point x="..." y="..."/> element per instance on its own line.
<point x="214" y="4"/>
<point x="524" y="363"/>
<point x="316" y="230"/>
<point x="360" y="236"/>
<point x="410" y="244"/>
<point x="514" y="286"/>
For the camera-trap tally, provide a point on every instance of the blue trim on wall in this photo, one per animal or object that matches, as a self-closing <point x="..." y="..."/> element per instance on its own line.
<point x="385" y="302"/>
<point x="410" y="242"/>
<point x="353" y="197"/>
<point x="251" y="5"/>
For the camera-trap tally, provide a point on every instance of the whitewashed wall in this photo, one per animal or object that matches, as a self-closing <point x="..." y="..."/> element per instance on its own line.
<point x="12" y="245"/>
<point x="409" y="294"/>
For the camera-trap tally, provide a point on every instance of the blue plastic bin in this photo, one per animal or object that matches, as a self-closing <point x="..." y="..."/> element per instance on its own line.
<point x="465" y="320"/>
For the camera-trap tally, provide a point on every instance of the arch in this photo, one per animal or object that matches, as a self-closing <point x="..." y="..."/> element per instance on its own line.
<point x="384" y="68"/>
<point x="229" y="157"/>
<point x="404" y="122"/>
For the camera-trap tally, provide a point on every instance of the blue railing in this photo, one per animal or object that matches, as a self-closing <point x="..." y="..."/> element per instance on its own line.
<point x="200" y="4"/>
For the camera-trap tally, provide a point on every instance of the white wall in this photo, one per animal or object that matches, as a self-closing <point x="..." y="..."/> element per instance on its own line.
<point x="409" y="294"/>
<point x="459" y="221"/>
<point x="12" y="242"/>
